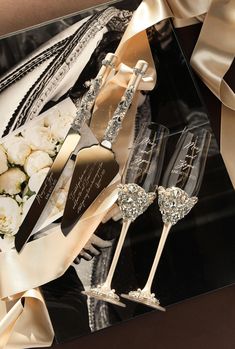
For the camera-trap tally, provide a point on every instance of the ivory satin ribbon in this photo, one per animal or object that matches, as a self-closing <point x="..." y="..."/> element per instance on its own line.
<point x="27" y="323"/>
<point x="211" y="59"/>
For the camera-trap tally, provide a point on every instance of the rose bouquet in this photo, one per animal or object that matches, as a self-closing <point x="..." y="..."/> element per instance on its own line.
<point x="25" y="159"/>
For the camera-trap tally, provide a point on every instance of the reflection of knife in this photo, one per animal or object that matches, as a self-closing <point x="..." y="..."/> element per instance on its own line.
<point x="70" y="143"/>
<point x="96" y="166"/>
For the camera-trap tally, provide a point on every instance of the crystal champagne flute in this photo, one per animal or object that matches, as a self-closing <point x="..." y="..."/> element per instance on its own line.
<point x="176" y="197"/>
<point x="137" y="192"/>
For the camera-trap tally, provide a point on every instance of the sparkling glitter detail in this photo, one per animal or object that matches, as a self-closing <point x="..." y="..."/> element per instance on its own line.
<point x="115" y="123"/>
<point x="133" y="200"/>
<point x="106" y="62"/>
<point x="144" y="295"/>
<point x="174" y="204"/>
<point x="87" y="101"/>
<point x="138" y="71"/>
<point x="104" y="291"/>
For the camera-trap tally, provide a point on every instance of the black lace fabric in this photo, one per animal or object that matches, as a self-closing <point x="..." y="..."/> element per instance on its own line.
<point x="62" y="56"/>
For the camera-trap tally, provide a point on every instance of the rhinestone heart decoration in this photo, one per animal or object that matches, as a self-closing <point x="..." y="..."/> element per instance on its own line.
<point x="133" y="200"/>
<point x="174" y="204"/>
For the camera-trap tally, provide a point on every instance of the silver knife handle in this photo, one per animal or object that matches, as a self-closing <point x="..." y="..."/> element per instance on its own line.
<point x="84" y="110"/>
<point x="115" y="124"/>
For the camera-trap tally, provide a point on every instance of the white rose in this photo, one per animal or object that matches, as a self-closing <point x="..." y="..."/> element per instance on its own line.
<point x="37" y="179"/>
<point x="10" y="216"/>
<point x="11" y="180"/>
<point x="58" y="199"/>
<point x="40" y="138"/>
<point x="59" y="124"/>
<point x="3" y="160"/>
<point x="17" y="150"/>
<point x="36" y="161"/>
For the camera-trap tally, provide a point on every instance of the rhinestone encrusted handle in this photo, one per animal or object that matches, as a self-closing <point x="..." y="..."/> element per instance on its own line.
<point x="115" y="123"/>
<point x="84" y="109"/>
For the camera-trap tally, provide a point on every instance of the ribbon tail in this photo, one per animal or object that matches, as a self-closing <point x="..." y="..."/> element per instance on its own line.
<point x="27" y="324"/>
<point x="8" y="322"/>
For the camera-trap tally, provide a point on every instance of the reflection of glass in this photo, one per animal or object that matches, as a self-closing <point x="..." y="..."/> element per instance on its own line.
<point x="181" y="181"/>
<point x="136" y="194"/>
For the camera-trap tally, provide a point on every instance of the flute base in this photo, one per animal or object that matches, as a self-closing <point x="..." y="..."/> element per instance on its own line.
<point x="105" y="294"/>
<point x="144" y="297"/>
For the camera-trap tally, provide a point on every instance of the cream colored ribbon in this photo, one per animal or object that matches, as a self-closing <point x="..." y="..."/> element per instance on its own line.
<point x="27" y="323"/>
<point x="211" y="59"/>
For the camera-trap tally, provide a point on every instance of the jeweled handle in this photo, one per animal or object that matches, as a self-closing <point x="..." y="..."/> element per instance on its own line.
<point x="115" y="123"/>
<point x="84" y="109"/>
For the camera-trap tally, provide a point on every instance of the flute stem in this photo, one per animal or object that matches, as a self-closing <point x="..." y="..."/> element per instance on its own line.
<point x="161" y="245"/>
<point x="125" y="227"/>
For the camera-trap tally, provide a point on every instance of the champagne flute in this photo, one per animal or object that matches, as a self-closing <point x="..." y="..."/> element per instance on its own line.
<point x="138" y="191"/>
<point x="176" y="197"/>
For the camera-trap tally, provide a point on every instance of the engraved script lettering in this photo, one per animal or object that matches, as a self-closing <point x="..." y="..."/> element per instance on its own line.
<point x="90" y="178"/>
<point x="140" y="164"/>
<point x="184" y="166"/>
<point x="46" y="188"/>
